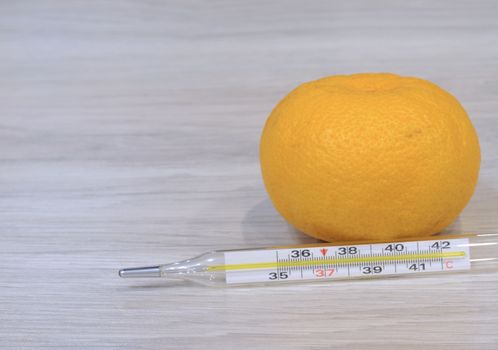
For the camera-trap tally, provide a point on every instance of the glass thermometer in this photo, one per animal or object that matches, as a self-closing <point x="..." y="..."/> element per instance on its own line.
<point x="332" y="261"/>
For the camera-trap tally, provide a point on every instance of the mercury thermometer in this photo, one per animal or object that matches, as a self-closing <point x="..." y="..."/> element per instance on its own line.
<point x="332" y="261"/>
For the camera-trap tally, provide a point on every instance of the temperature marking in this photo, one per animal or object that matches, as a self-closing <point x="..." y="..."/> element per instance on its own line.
<point x="336" y="262"/>
<point x="280" y="264"/>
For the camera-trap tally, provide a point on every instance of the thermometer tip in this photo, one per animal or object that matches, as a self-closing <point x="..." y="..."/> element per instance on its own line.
<point x="149" y="271"/>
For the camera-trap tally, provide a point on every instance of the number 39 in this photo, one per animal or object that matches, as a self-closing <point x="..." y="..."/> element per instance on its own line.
<point x="367" y="270"/>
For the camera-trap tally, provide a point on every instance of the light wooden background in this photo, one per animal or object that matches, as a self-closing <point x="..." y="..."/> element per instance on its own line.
<point x="129" y="136"/>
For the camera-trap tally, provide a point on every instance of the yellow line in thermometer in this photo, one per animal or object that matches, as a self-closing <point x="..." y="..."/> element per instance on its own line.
<point x="333" y="261"/>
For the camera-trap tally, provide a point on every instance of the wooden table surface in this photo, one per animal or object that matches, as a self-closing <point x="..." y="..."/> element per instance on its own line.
<point x="129" y="136"/>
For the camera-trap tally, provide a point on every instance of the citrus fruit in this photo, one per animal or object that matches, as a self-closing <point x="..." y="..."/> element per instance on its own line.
<point x="369" y="156"/>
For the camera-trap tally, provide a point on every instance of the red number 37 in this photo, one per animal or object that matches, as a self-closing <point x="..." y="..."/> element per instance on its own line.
<point x="324" y="272"/>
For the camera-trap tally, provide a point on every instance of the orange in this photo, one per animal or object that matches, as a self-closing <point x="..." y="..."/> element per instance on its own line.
<point x="369" y="156"/>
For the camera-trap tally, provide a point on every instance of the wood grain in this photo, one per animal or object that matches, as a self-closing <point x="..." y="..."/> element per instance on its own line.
<point x="129" y="136"/>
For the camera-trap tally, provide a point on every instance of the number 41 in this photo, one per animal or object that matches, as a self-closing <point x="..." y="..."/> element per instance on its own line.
<point x="417" y="267"/>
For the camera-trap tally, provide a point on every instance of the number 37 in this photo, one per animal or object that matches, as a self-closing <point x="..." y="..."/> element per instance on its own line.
<point x="324" y="272"/>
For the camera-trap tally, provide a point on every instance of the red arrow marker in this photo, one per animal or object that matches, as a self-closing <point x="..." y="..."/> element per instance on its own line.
<point x="324" y="251"/>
